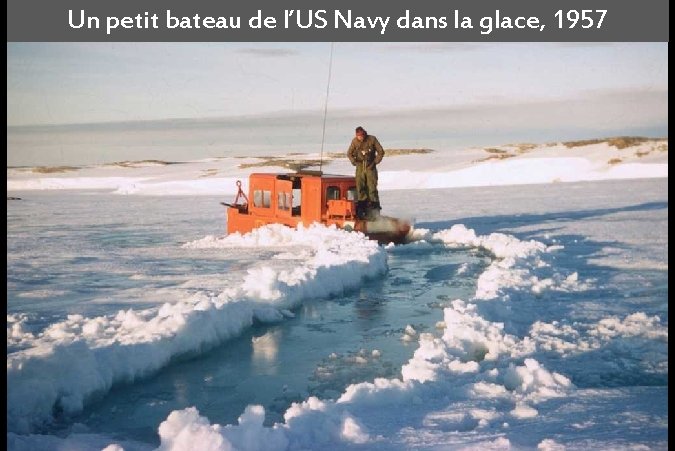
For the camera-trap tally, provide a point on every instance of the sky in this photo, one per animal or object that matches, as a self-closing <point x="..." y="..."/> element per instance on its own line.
<point x="74" y="83"/>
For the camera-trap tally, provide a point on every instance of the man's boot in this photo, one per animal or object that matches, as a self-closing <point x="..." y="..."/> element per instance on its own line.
<point x="362" y="209"/>
<point x="373" y="210"/>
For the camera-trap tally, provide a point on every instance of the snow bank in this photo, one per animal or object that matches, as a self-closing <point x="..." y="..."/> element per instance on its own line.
<point x="474" y="377"/>
<point x="523" y="171"/>
<point x="213" y="186"/>
<point x="86" y="356"/>
<point x="569" y="339"/>
<point x="83" y="183"/>
<point x="78" y="441"/>
<point x="518" y="266"/>
<point x="473" y="359"/>
<point x="544" y="163"/>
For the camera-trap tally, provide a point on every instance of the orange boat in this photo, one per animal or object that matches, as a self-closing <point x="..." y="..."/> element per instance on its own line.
<point x="307" y="197"/>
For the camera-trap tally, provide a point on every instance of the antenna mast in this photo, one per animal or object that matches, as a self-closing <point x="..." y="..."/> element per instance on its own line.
<point x="325" y="108"/>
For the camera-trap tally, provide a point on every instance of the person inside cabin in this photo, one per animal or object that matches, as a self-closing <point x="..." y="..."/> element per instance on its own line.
<point x="365" y="153"/>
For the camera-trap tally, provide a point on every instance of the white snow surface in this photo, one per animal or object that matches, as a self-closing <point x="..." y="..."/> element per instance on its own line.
<point x="477" y="384"/>
<point x="86" y="356"/>
<point x="502" y="165"/>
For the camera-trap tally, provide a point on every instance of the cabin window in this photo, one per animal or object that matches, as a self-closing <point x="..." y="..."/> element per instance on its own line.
<point x="297" y="201"/>
<point x="333" y="192"/>
<point x="262" y="198"/>
<point x="284" y="201"/>
<point x="351" y="193"/>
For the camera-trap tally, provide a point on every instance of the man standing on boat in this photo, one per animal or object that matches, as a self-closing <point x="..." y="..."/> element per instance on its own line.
<point x="365" y="152"/>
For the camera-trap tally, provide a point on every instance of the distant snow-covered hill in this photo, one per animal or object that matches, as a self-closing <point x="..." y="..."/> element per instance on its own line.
<point x="509" y="164"/>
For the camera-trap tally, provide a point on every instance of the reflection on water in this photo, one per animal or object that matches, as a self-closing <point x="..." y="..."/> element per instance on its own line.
<point x="265" y="350"/>
<point x="328" y="345"/>
<point x="368" y="308"/>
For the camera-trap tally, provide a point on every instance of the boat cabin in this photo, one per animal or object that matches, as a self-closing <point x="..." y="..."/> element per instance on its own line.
<point x="306" y="197"/>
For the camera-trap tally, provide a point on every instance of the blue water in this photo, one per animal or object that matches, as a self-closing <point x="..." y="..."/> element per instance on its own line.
<point x="94" y="254"/>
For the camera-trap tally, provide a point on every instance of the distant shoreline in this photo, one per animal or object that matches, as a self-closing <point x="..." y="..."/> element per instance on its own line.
<point x="295" y="160"/>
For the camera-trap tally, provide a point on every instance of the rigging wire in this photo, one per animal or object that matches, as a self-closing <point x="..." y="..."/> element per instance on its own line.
<point x="325" y="108"/>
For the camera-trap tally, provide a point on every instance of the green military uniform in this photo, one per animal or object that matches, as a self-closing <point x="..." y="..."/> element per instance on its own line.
<point x="366" y="155"/>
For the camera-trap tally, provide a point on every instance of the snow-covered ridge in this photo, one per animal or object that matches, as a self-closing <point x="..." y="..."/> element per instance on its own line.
<point x="86" y="356"/>
<point x="515" y="164"/>
<point x="473" y="363"/>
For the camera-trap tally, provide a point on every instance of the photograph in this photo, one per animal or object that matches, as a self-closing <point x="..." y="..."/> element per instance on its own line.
<point x="274" y="246"/>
